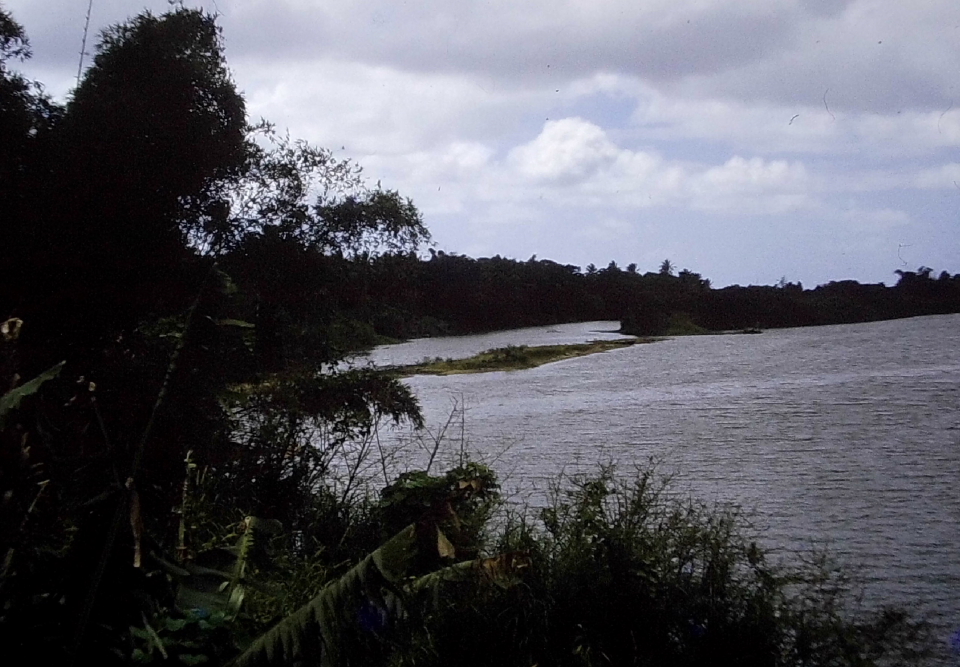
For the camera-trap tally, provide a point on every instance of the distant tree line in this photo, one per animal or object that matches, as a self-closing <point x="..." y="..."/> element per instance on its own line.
<point x="403" y="296"/>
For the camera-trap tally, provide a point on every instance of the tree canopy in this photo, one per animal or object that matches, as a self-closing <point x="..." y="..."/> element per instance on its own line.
<point x="151" y="169"/>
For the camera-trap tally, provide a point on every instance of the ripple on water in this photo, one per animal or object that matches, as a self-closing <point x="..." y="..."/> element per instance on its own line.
<point x="847" y="436"/>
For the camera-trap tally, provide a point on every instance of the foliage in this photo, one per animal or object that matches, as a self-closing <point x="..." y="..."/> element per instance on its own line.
<point x="273" y="195"/>
<point x="26" y="118"/>
<point x="622" y="571"/>
<point x="10" y="401"/>
<point x="354" y="620"/>
<point x="158" y="113"/>
<point x="448" y="293"/>
<point x="363" y="599"/>
<point x="192" y="639"/>
<point x="381" y="220"/>
<point x="461" y="501"/>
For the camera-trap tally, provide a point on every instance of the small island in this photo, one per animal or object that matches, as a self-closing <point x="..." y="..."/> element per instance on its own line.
<point x="514" y="357"/>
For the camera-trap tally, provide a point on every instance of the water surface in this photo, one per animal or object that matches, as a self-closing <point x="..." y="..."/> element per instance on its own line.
<point x="846" y="436"/>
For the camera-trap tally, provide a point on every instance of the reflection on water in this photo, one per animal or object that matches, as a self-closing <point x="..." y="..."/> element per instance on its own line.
<point x="845" y="436"/>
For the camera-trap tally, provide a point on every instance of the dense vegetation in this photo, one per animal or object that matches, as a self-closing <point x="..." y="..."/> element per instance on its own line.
<point x="405" y="296"/>
<point x="184" y="468"/>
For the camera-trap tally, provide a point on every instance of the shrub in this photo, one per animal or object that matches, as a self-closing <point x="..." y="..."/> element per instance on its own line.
<point x="624" y="572"/>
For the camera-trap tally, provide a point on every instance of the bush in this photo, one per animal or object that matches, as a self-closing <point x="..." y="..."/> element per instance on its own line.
<point x="623" y="572"/>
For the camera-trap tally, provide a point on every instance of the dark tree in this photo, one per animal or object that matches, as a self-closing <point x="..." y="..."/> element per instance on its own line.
<point x="26" y="119"/>
<point x="153" y="131"/>
<point x="16" y="102"/>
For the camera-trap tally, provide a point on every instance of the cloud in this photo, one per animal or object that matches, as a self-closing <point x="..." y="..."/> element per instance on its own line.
<point x="869" y="56"/>
<point x="873" y="57"/>
<point x="578" y="164"/>
<point x="374" y="110"/>
<point x="873" y="220"/>
<point x="533" y="40"/>
<point x="752" y="186"/>
<point x="567" y="149"/>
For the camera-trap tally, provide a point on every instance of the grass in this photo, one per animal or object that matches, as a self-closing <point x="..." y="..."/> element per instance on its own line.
<point x="515" y="357"/>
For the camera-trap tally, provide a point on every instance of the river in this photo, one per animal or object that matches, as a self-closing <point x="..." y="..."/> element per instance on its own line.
<point x="843" y="436"/>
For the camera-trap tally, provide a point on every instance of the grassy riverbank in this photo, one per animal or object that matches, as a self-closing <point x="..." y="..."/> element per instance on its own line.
<point x="515" y="357"/>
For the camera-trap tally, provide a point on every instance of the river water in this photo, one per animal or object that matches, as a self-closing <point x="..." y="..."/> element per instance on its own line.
<point x="844" y="436"/>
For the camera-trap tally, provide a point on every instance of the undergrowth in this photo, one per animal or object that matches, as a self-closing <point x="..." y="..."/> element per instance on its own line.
<point x="621" y="572"/>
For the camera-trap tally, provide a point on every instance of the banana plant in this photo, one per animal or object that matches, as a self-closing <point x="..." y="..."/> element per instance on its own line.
<point x="10" y="401"/>
<point x="334" y="629"/>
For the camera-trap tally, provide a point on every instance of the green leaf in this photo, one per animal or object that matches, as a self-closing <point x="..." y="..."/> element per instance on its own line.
<point x="503" y="571"/>
<point x="174" y="624"/>
<point x="11" y="400"/>
<point x="221" y="590"/>
<point x="326" y="631"/>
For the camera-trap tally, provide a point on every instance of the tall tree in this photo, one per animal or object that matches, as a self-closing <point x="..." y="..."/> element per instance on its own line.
<point x="155" y="127"/>
<point x="26" y="118"/>
<point x="15" y="100"/>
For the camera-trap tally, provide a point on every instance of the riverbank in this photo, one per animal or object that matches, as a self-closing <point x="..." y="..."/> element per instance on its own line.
<point x="514" y="357"/>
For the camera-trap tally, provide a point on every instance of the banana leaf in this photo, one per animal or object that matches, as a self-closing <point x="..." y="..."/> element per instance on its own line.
<point x="328" y="631"/>
<point x="10" y="401"/>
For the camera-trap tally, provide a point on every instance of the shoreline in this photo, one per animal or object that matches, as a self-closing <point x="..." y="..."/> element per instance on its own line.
<point x="514" y="357"/>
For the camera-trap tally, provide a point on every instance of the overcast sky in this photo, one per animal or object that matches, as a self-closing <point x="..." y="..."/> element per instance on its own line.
<point x="744" y="139"/>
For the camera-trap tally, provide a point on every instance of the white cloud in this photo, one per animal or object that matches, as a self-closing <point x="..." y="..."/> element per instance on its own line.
<point x="575" y="164"/>
<point x="567" y="149"/>
<point x="754" y="176"/>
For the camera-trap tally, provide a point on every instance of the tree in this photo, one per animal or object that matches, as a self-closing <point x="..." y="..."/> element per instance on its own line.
<point x="157" y="116"/>
<point x="374" y="222"/>
<point x="666" y="268"/>
<point x="15" y="100"/>
<point x="26" y="118"/>
<point x="155" y="129"/>
<point x="153" y="153"/>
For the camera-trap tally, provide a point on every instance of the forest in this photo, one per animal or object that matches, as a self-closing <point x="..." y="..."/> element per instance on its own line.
<point x="406" y="296"/>
<point x="189" y="476"/>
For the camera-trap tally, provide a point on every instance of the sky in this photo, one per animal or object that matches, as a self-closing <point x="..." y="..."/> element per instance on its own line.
<point x="746" y="140"/>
